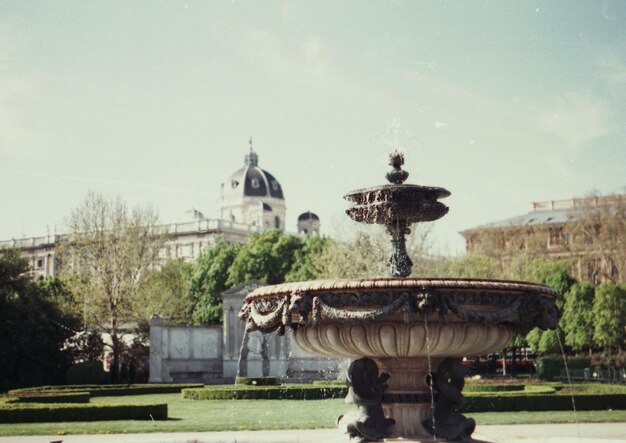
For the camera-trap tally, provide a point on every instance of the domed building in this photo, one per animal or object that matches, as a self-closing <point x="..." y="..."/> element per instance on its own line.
<point x="252" y="200"/>
<point x="308" y="223"/>
<point x="252" y="196"/>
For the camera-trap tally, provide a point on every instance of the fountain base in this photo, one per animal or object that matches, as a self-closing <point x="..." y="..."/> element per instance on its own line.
<point x="408" y="335"/>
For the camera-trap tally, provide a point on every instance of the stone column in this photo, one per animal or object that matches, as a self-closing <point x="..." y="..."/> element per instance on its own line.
<point x="408" y="399"/>
<point x="156" y="349"/>
<point x="226" y="333"/>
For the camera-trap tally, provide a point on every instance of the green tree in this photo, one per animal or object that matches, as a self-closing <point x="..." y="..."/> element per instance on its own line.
<point x="363" y="256"/>
<point x="268" y="256"/>
<point x="472" y="266"/>
<point x="105" y="258"/>
<point x="33" y="329"/>
<point x="578" y="317"/>
<point x="545" y="342"/>
<point x="555" y="274"/>
<point x="165" y="292"/>
<point x="306" y="265"/>
<point x="609" y="316"/>
<point x="208" y="280"/>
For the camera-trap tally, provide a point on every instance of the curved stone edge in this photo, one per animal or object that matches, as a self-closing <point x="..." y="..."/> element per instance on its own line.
<point x="291" y="310"/>
<point x="376" y="284"/>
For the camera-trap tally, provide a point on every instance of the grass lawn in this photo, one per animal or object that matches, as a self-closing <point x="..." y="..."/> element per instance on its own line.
<point x="222" y="415"/>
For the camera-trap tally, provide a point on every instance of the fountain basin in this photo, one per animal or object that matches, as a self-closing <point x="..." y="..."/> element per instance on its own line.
<point x="412" y="328"/>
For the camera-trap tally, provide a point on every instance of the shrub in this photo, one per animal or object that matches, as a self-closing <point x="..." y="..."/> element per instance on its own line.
<point x="593" y="388"/>
<point x="539" y="389"/>
<point x="542" y="402"/>
<point x="113" y="390"/>
<point x="245" y="392"/>
<point x="31" y="413"/>
<point x="493" y="388"/>
<point x="338" y="383"/>
<point x="52" y="397"/>
<point x="549" y="367"/>
<point x="88" y="372"/>
<point x="257" y="381"/>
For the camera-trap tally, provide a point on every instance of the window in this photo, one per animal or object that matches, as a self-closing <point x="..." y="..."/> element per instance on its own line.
<point x="277" y="222"/>
<point x="255" y="183"/>
<point x="234" y="183"/>
<point x="39" y="263"/>
<point x="274" y="185"/>
<point x="556" y="236"/>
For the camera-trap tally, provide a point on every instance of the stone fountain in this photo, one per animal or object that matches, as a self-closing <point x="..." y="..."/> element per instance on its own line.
<point x="406" y="336"/>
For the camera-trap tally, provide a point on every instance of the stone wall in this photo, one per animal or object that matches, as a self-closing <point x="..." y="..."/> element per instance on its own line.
<point x="181" y="354"/>
<point x="211" y="355"/>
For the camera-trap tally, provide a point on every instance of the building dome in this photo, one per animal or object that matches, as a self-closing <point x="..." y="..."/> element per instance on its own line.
<point x="252" y="181"/>
<point x="253" y="196"/>
<point x="308" y="216"/>
<point x="308" y="223"/>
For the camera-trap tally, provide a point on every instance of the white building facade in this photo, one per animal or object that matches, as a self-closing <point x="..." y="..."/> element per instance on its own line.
<point x="252" y="201"/>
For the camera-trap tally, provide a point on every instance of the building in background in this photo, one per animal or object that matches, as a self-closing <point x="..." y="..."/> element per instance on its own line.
<point x="252" y="200"/>
<point x="308" y="223"/>
<point x="591" y="231"/>
<point x="253" y="197"/>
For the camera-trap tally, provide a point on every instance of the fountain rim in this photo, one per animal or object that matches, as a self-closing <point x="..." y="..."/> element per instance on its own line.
<point x="320" y="287"/>
<point x="440" y="192"/>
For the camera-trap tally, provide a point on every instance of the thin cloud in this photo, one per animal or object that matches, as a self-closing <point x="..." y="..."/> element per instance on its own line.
<point x="578" y="119"/>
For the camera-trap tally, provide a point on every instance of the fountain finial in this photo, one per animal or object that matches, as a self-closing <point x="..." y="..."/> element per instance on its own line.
<point x="397" y="176"/>
<point x="397" y="206"/>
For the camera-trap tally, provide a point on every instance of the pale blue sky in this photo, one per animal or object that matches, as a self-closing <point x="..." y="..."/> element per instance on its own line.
<point x="503" y="103"/>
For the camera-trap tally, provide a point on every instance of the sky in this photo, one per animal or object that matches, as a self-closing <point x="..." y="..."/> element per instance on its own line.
<point x="502" y="103"/>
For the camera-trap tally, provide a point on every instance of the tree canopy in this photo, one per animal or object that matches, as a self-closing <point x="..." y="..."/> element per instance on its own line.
<point x="106" y="256"/>
<point x="578" y="317"/>
<point x="166" y="292"/>
<point x="268" y="257"/>
<point x="609" y="316"/>
<point x="208" y="280"/>
<point x="33" y="328"/>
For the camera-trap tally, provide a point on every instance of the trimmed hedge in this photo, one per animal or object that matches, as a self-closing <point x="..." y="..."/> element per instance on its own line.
<point x="257" y="381"/>
<point x="549" y="367"/>
<point x="113" y="390"/>
<point x="36" y="413"/>
<point x="593" y="388"/>
<point x="245" y="392"/>
<point x="52" y="397"/>
<point x="542" y="402"/>
<point x="493" y="388"/>
<point x="539" y="389"/>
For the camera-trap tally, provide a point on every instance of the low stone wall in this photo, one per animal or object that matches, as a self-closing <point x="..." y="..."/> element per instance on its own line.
<point x="181" y="354"/>
<point x="211" y="354"/>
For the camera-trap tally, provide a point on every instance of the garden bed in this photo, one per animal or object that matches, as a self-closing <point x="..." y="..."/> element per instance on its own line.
<point x="44" y="413"/>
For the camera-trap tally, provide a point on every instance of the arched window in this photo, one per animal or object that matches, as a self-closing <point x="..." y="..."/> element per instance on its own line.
<point x="277" y="222"/>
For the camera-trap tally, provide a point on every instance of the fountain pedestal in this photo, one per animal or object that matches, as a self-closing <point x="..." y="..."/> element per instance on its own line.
<point x="409" y="400"/>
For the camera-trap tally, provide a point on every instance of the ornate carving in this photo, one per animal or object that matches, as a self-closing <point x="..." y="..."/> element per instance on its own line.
<point x="397" y="339"/>
<point x="291" y="310"/>
<point x="396" y="175"/>
<point x="448" y="383"/>
<point x="366" y="390"/>
<point x="537" y="311"/>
